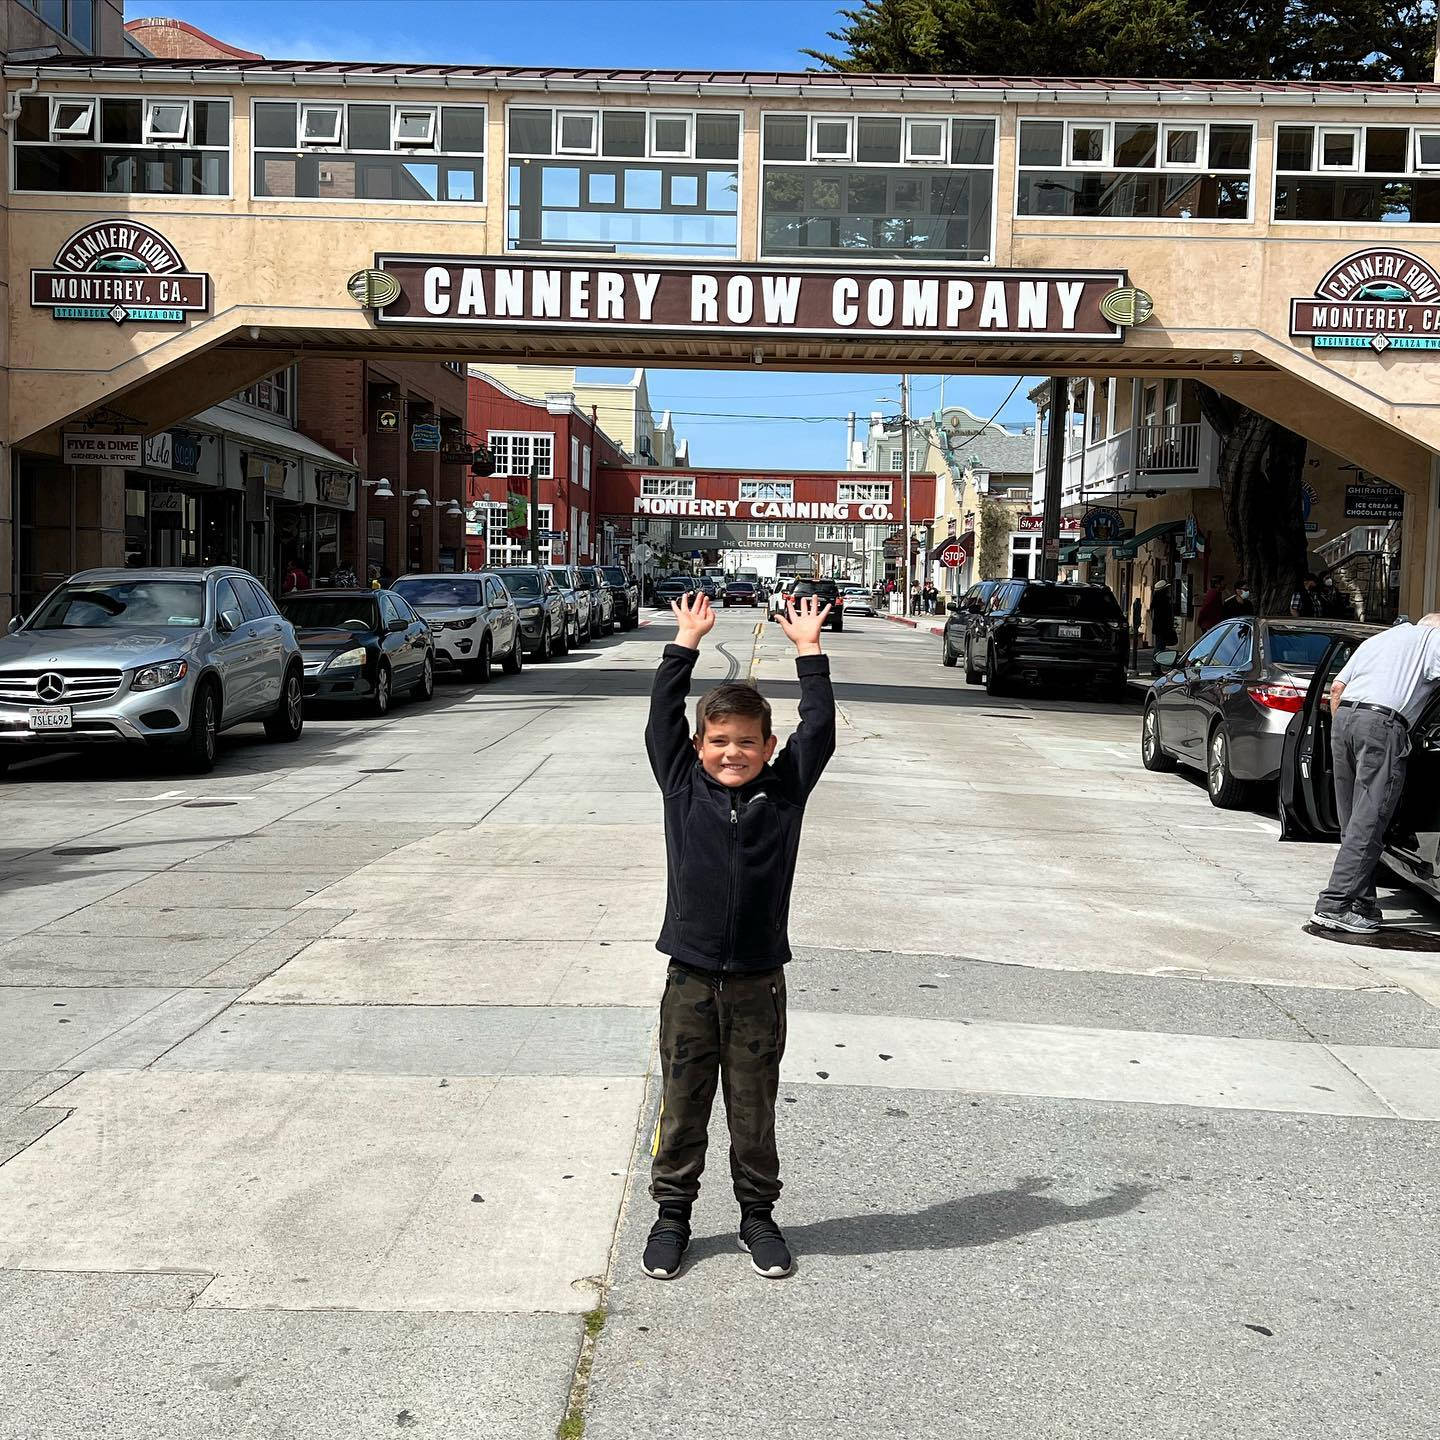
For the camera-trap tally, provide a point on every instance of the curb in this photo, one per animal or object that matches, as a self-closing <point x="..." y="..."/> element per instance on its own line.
<point x="928" y="626"/>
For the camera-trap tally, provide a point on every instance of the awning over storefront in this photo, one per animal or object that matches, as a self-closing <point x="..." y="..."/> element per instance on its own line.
<point x="966" y="542"/>
<point x="303" y="470"/>
<point x="1126" y="549"/>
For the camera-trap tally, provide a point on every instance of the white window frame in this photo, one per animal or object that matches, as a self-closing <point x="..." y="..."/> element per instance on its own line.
<point x="699" y="530"/>
<point x="1357" y="149"/>
<point x="585" y="469"/>
<point x="333" y="138"/>
<point x="765" y="530"/>
<point x="505" y="440"/>
<point x="911" y="157"/>
<point x="833" y="532"/>
<point x="858" y="492"/>
<point x="834" y="158"/>
<point x="170" y="137"/>
<point x="1202" y="146"/>
<point x="432" y="134"/>
<point x="1107" y="141"/>
<point x="668" y="487"/>
<point x="767" y="489"/>
<point x="90" y="109"/>
<point x="656" y="153"/>
<point x="1418" y="163"/>
<point x="559" y="146"/>
<point x="574" y="475"/>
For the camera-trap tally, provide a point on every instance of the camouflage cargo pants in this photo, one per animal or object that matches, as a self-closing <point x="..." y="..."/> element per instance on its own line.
<point x="728" y="1029"/>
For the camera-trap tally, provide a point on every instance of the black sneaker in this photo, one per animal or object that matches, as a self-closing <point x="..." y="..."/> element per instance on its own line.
<point x="669" y="1237"/>
<point x="760" y="1235"/>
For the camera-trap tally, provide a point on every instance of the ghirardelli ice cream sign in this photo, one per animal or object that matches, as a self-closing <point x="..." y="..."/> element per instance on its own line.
<point x="1377" y="299"/>
<point x="119" y="270"/>
<point x="759" y="300"/>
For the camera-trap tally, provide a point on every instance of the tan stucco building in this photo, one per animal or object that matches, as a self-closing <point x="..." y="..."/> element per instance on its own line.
<point x="175" y="230"/>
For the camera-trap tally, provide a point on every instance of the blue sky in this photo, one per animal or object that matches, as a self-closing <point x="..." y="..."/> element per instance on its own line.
<point x="668" y="34"/>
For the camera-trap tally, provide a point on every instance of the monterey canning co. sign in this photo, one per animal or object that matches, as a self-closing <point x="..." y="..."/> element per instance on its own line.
<point x="119" y="270"/>
<point x="1376" y="299"/>
<point x="763" y="301"/>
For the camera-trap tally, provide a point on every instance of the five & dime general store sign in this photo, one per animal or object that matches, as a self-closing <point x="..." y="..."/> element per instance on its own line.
<point x="742" y="299"/>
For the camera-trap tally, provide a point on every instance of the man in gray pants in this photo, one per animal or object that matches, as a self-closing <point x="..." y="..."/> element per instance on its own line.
<point x="1381" y="692"/>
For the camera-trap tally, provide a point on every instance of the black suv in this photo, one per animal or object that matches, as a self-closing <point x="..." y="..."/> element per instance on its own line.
<point x="625" y="593"/>
<point x="1043" y="630"/>
<point x="827" y="590"/>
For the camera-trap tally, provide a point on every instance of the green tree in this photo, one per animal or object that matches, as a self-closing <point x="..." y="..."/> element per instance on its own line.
<point x="1176" y="39"/>
<point x="996" y="523"/>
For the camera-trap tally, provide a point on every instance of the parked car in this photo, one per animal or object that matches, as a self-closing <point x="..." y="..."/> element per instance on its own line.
<point x="539" y="606"/>
<point x="828" y="592"/>
<point x="1225" y="705"/>
<point x="1307" y="779"/>
<point x="670" y="588"/>
<point x="741" y="592"/>
<point x="164" y="657"/>
<point x="1045" y="630"/>
<point x="361" y="645"/>
<point x="472" y="621"/>
<point x="579" y="617"/>
<point x="624" y="596"/>
<point x="601" y="600"/>
<point x="858" y="600"/>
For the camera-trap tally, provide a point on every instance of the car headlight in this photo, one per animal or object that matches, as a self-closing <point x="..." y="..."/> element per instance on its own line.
<point x="458" y="624"/>
<point x="152" y="677"/>
<point x="529" y="612"/>
<point x="347" y="659"/>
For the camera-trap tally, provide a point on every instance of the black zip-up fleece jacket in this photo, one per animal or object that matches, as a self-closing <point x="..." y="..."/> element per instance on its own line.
<point x="730" y="853"/>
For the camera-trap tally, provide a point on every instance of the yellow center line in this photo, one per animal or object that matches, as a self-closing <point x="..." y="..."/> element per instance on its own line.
<point x="755" y="651"/>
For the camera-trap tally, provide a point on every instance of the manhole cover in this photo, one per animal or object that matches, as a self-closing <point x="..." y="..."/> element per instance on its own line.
<point x="88" y="850"/>
<point x="1388" y="937"/>
<point x="207" y="804"/>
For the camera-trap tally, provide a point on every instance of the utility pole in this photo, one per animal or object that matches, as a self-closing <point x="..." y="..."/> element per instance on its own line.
<point x="905" y="479"/>
<point x="1055" y="446"/>
<point x="535" y="513"/>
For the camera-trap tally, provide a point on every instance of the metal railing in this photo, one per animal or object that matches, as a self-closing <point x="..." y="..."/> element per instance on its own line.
<point x="1169" y="449"/>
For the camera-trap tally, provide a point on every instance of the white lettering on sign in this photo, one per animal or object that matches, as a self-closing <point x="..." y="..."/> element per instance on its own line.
<point x="646" y="284"/>
<point x="920" y="303"/>
<point x="1069" y="293"/>
<point x="781" y="296"/>
<point x="843" y="307"/>
<point x="704" y="299"/>
<point x="993" y="312"/>
<point x="437" y="290"/>
<point x="686" y="508"/>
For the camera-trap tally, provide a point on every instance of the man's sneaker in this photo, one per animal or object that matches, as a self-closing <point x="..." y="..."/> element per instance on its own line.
<point x="1352" y="920"/>
<point x="1370" y="910"/>
<point x="669" y="1237"/>
<point x="760" y="1235"/>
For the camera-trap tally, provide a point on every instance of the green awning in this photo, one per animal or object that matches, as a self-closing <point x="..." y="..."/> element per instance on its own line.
<point x="1126" y="549"/>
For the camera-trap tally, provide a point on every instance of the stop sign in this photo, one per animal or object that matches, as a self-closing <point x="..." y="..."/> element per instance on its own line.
<point x="953" y="555"/>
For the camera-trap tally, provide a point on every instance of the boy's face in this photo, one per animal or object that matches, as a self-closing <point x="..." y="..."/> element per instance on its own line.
<point x="733" y="750"/>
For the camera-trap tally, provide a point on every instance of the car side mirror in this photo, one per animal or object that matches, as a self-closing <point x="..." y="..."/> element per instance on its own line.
<point x="397" y="626"/>
<point x="1165" y="659"/>
<point x="228" y="621"/>
<point x="16" y="621"/>
<point x="955" y="607"/>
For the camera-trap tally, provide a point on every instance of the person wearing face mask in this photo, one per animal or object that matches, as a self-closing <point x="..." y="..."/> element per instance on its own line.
<point x="1239" y="603"/>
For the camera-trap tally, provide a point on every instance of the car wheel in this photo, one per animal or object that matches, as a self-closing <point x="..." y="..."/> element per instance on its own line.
<point x="948" y="657"/>
<point x="198" y="753"/>
<point x="972" y="675"/>
<point x="380" y="700"/>
<point x="837" y="626"/>
<point x="425" y="690"/>
<point x="288" y="719"/>
<point x="994" y="680"/>
<point x="1225" y="790"/>
<point x="562" y="641"/>
<point x="1152" y="756"/>
<point x="479" y="670"/>
<point x="514" y="662"/>
<point x="4" y="765"/>
<point x="547" y="647"/>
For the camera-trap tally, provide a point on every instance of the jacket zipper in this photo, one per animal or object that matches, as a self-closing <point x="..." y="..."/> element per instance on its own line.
<point x="727" y="956"/>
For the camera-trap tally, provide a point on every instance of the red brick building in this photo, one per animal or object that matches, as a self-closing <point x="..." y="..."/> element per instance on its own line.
<point x="569" y="448"/>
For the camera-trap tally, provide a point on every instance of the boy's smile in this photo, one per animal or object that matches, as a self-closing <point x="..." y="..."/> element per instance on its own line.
<point x="733" y="750"/>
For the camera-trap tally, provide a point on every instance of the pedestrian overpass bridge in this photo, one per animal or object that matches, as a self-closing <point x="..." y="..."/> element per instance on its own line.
<point x="177" y="229"/>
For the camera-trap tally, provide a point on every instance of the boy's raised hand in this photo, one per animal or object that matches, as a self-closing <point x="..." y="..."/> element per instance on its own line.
<point x="803" y="622"/>
<point x="694" y="619"/>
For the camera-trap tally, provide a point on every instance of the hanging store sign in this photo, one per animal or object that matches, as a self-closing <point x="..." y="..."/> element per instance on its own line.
<point x="333" y="487"/>
<point x="95" y="449"/>
<point x="751" y="300"/>
<point x="425" y="437"/>
<point x="1377" y="503"/>
<point x="119" y="270"/>
<point x="1376" y="299"/>
<point x="387" y="422"/>
<point x="1102" y="525"/>
<point x="875" y="511"/>
<point x="1069" y="524"/>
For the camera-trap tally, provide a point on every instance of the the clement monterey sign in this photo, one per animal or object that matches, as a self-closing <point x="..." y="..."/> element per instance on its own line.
<point x="119" y="270"/>
<point x="753" y="300"/>
<point x="1376" y="299"/>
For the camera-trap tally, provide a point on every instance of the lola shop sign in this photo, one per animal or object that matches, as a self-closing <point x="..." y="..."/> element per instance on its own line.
<point x="750" y="299"/>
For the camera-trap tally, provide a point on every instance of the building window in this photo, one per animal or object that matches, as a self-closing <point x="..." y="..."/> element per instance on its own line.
<point x="585" y="468"/>
<point x="834" y="532"/>
<point x="501" y="548"/>
<point x="918" y="187"/>
<point x="765" y="532"/>
<point x="698" y="530"/>
<point x="1357" y="174"/>
<point x="767" y="490"/>
<point x="73" y="18"/>
<point x="623" y="181"/>
<point x="1135" y="170"/>
<point x="275" y="394"/>
<point x="516" y="451"/>
<point x="863" y="490"/>
<point x="368" y="150"/>
<point x="122" y="145"/>
<point x="670" y="487"/>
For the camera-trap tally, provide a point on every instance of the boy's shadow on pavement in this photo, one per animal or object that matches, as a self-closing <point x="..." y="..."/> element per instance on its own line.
<point x="958" y="1224"/>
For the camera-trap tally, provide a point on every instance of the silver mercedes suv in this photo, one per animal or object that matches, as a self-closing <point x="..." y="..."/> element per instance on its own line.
<point x="162" y="657"/>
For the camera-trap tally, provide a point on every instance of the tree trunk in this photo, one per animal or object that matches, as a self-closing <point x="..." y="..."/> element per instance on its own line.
<point x="1261" y="468"/>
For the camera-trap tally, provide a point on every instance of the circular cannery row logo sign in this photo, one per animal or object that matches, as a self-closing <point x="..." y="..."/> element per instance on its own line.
<point x="119" y="270"/>
<point x="1377" y="299"/>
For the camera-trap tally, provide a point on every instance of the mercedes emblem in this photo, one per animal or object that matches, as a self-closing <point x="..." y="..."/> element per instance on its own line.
<point x="50" y="686"/>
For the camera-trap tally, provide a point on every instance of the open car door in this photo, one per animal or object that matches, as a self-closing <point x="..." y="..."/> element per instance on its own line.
<point x="1307" y="780"/>
<point x="1413" y="840"/>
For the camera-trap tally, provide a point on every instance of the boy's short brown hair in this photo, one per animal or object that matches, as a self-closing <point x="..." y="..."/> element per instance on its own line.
<point x="733" y="698"/>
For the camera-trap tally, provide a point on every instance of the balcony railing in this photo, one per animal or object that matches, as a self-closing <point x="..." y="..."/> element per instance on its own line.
<point x="1178" y="456"/>
<point x="1170" y="449"/>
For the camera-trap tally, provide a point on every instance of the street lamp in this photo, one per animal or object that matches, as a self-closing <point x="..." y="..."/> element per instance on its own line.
<point x="382" y="488"/>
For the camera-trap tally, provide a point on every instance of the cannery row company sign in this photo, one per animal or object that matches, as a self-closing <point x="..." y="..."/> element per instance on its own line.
<point x="752" y="300"/>
<point x="119" y="270"/>
<point x="1376" y="299"/>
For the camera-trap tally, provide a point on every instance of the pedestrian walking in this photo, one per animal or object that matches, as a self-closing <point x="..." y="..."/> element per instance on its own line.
<point x="1375" y="699"/>
<point x="732" y="833"/>
<point x="1238" y="603"/>
<point x="1212" y="605"/>
<point x="1162" y="616"/>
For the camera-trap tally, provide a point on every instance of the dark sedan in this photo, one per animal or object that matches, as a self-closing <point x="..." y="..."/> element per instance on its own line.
<point x="1225" y="704"/>
<point x="672" y="587"/>
<point x="972" y="602"/>
<point x="1307" y="780"/>
<point x="361" y="645"/>
<point x="624" y="596"/>
<point x="741" y="592"/>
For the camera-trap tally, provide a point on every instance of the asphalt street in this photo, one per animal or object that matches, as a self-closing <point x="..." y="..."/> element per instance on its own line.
<point x="326" y="1082"/>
